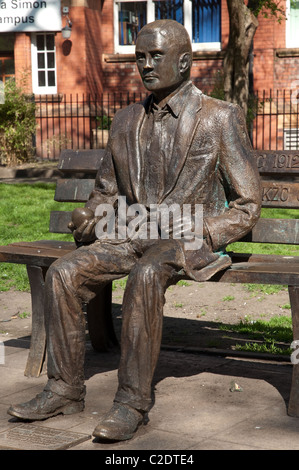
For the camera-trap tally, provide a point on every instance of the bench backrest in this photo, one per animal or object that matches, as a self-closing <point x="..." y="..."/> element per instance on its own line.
<point x="279" y="171"/>
<point x="79" y="168"/>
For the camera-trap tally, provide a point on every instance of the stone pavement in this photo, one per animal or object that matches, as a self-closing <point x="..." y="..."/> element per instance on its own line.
<point x="194" y="409"/>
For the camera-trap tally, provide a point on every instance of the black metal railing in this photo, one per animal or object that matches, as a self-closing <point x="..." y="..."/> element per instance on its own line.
<point x="76" y="121"/>
<point x="276" y="122"/>
<point x="82" y="121"/>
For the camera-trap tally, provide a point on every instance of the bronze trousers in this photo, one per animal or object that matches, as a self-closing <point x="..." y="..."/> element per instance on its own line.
<point x="78" y="277"/>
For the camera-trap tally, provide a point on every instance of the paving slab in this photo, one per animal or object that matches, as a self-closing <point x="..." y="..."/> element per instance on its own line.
<point x="194" y="407"/>
<point x="35" y="437"/>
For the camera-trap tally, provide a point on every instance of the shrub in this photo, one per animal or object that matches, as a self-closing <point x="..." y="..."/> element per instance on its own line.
<point x="17" y="125"/>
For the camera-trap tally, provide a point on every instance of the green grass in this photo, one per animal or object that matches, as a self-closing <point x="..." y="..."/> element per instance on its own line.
<point x="265" y="289"/>
<point x="24" y="216"/>
<point x="264" y="248"/>
<point x="273" y="336"/>
<point x="228" y="298"/>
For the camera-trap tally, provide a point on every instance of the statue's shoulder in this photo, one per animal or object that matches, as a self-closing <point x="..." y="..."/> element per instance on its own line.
<point x="129" y="112"/>
<point x="219" y="107"/>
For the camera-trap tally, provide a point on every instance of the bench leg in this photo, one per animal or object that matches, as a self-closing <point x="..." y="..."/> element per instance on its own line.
<point x="37" y="351"/>
<point x="293" y="409"/>
<point x="99" y="318"/>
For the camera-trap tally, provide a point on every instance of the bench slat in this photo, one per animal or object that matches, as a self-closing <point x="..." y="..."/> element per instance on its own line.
<point x="275" y="194"/>
<point x="269" y="162"/>
<point x="40" y="253"/>
<point x="73" y="190"/>
<point x="275" y="162"/>
<point x="284" y="231"/>
<point x="59" y="221"/>
<point x="261" y="269"/>
<point x="263" y="258"/>
<point x="80" y="160"/>
<point x="249" y="277"/>
<point x="280" y="194"/>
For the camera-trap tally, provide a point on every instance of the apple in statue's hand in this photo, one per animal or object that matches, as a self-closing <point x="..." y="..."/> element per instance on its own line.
<point x="79" y="216"/>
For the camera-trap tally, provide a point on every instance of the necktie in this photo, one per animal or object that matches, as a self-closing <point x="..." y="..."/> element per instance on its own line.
<point x="155" y="159"/>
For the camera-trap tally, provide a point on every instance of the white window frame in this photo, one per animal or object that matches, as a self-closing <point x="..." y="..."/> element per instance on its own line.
<point x="289" y="42"/>
<point x="41" y="90"/>
<point x="200" y="46"/>
<point x="291" y="138"/>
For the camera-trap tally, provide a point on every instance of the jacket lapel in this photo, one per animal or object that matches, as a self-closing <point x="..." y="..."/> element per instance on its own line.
<point x="135" y="160"/>
<point x="188" y="121"/>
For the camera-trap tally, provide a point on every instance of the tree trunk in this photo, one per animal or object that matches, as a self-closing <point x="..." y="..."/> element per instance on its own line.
<point x="243" y="25"/>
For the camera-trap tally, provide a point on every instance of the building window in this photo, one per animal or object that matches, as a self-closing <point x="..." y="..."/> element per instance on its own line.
<point x="291" y="139"/>
<point x="7" y="63"/>
<point x="206" y="21"/>
<point x="170" y="9"/>
<point x="201" y="18"/>
<point x="44" y="79"/>
<point x="292" y="23"/>
<point x="131" y="17"/>
<point x="7" y="68"/>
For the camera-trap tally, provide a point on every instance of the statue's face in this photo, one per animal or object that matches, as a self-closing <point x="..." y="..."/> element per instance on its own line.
<point x="158" y="63"/>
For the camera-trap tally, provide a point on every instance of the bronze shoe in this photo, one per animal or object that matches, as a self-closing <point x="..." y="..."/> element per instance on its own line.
<point x="119" y="424"/>
<point x="45" y="405"/>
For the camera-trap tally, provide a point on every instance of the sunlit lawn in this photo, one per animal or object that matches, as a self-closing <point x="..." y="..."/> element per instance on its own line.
<point x="25" y="214"/>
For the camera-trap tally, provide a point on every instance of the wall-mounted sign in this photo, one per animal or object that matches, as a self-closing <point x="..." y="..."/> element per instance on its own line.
<point x="24" y="16"/>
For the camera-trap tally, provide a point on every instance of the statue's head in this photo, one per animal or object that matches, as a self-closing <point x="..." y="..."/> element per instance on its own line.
<point x="163" y="56"/>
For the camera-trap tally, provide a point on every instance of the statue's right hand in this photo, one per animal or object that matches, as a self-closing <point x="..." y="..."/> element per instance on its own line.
<point x="71" y="226"/>
<point x="85" y="233"/>
<point x="79" y="225"/>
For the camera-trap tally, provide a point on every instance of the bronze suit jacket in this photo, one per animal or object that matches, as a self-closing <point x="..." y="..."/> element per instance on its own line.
<point x="211" y="165"/>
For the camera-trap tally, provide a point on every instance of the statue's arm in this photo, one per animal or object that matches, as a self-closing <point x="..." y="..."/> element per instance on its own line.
<point x="241" y="180"/>
<point x="104" y="192"/>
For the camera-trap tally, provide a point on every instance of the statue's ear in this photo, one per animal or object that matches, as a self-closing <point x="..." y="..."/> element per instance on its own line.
<point x="185" y="63"/>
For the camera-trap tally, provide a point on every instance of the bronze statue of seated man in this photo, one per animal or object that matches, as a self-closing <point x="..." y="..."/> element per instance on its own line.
<point x="177" y="148"/>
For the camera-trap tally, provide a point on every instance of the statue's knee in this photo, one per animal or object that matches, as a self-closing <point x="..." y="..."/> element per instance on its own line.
<point x="57" y="272"/>
<point x="147" y="271"/>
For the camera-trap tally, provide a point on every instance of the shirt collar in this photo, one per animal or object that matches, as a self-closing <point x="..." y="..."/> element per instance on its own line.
<point x="175" y="101"/>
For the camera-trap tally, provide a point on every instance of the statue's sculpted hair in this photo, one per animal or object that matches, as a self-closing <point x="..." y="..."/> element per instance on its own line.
<point x="173" y="31"/>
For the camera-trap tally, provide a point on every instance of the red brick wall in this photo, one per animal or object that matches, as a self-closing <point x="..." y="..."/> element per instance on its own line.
<point x="80" y="64"/>
<point x="79" y="60"/>
<point x="107" y="26"/>
<point x="94" y="51"/>
<point x="224" y="23"/>
<point x="204" y="73"/>
<point x="123" y="77"/>
<point x="71" y="55"/>
<point x="22" y="56"/>
<point x="286" y="73"/>
<point x="270" y="70"/>
<point x="82" y="69"/>
<point x="264" y="54"/>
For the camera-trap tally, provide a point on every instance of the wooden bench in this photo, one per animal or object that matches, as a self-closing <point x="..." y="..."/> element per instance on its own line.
<point x="279" y="171"/>
<point x="79" y="169"/>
